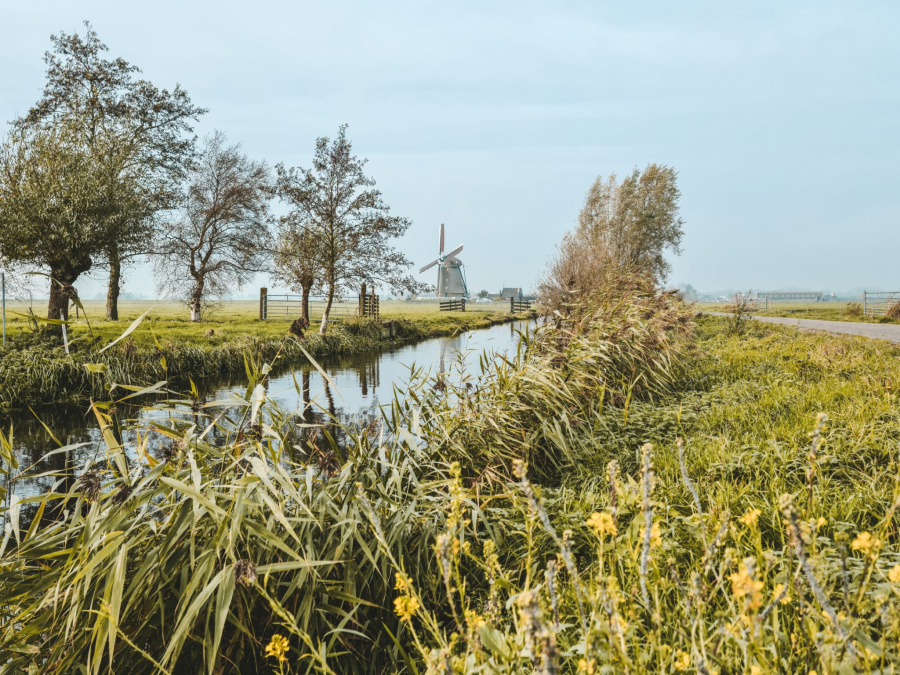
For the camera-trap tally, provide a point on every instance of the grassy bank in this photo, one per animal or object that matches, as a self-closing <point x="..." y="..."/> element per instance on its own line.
<point x="541" y="517"/>
<point x="35" y="370"/>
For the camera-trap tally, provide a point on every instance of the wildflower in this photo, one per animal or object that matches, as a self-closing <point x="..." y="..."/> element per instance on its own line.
<point x="603" y="524"/>
<point x="682" y="660"/>
<point x="755" y="670"/>
<point x="894" y="574"/>
<point x="401" y="582"/>
<point x="743" y="585"/>
<point x="585" y="666"/>
<point x="749" y="519"/>
<point x="779" y="589"/>
<point x="866" y="543"/>
<point x="655" y="535"/>
<point x="277" y="648"/>
<point x="821" y="522"/>
<point x="405" y="606"/>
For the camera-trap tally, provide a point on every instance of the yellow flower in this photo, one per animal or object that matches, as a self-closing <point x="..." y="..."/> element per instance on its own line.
<point x="682" y="660"/>
<point x="405" y="606"/>
<point x="401" y="582"/>
<point x="655" y="536"/>
<point x="744" y="585"/>
<point x="277" y="648"/>
<point x="749" y="519"/>
<point x="585" y="666"/>
<point x="603" y="524"/>
<point x="821" y="522"/>
<point x="866" y="543"/>
<point x="786" y="600"/>
<point x="894" y="574"/>
<point x="755" y="670"/>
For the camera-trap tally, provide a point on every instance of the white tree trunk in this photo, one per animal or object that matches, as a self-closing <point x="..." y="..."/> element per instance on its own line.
<point x="327" y="309"/>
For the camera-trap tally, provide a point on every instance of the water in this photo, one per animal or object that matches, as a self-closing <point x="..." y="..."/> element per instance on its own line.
<point x="362" y="384"/>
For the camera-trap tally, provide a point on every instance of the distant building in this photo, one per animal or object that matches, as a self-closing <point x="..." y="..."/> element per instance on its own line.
<point x="511" y="292"/>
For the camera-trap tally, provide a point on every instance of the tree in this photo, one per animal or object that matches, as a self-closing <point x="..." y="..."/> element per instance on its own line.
<point x="634" y="223"/>
<point x="151" y="126"/>
<point x="347" y="220"/>
<point x="482" y="293"/>
<point x="60" y="204"/>
<point x="625" y="229"/>
<point x="220" y="237"/>
<point x="297" y="261"/>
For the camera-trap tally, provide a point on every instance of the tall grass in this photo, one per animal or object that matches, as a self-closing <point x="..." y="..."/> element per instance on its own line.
<point x="514" y="520"/>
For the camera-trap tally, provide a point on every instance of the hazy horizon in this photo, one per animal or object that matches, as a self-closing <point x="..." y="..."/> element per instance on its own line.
<point x="495" y="119"/>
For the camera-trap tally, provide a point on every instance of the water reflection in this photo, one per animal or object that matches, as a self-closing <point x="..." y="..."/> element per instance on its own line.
<point x="362" y="384"/>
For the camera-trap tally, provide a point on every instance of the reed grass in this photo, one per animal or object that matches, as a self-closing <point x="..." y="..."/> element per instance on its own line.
<point x="539" y="515"/>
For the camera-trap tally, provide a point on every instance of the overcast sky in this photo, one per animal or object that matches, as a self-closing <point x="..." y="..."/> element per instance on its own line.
<point x="495" y="117"/>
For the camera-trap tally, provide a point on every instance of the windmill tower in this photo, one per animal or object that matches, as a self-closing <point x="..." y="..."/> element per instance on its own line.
<point x="451" y="281"/>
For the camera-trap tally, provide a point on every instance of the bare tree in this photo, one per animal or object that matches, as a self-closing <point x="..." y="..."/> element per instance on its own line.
<point x="221" y="237"/>
<point x="348" y="221"/>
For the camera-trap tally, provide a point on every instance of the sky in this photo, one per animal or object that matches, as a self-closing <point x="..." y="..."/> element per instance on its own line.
<point x="495" y="117"/>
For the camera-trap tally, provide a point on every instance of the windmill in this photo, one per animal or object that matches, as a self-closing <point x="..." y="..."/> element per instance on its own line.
<point x="451" y="282"/>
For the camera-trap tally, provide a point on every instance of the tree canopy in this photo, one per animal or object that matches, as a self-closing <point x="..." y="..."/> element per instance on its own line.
<point x="151" y="129"/>
<point x="347" y="219"/>
<point x="220" y="236"/>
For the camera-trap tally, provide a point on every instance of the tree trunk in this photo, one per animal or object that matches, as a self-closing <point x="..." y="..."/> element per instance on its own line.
<point x="304" y="303"/>
<point x="196" y="299"/>
<point x="58" y="307"/>
<point x="327" y="309"/>
<point x="112" y="291"/>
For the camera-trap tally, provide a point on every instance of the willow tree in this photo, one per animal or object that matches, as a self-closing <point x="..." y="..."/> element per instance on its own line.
<point x="625" y="228"/>
<point x="151" y="127"/>
<point x="219" y="238"/>
<point x="60" y="204"/>
<point x="346" y="220"/>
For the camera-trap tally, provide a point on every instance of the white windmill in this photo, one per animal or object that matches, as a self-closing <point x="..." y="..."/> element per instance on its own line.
<point x="451" y="282"/>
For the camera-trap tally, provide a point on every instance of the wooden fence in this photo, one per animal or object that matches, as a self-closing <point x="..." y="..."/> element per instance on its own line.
<point x="878" y="303"/>
<point x="290" y="307"/>
<point x="516" y="306"/>
<point x="453" y="305"/>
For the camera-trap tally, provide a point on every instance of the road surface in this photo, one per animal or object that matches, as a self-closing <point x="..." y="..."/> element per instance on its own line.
<point x="879" y="331"/>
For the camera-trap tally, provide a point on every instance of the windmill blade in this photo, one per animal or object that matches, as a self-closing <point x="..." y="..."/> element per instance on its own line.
<point x="453" y="253"/>
<point x="442" y="239"/>
<point x="429" y="266"/>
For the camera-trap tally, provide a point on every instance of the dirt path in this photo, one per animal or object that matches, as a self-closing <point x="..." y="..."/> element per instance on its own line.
<point x="879" y="331"/>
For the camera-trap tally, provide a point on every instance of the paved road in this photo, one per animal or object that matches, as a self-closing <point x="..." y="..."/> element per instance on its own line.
<point x="879" y="331"/>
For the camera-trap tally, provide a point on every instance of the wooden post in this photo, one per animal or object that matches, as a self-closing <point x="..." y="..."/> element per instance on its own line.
<point x="263" y="303"/>
<point x="512" y="305"/>
<point x="362" y="301"/>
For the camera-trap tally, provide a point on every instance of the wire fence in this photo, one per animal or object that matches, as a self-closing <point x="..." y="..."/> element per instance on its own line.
<point x="289" y="307"/>
<point x="880" y="302"/>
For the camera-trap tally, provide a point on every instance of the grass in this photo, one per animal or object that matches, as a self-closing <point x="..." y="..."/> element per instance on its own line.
<point x="234" y="320"/>
<point x="36" y="371"/>
<point x="540" y="516"/>
<point x="826" y="311"/>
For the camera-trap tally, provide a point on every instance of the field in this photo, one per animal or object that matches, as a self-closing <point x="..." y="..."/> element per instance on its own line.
<point x="828" y="311"/>
<point x="231" y="320"/>
<point x="630" y="493"/>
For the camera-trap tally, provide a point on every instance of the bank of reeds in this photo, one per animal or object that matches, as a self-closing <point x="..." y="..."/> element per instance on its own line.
<point x="493" y="524"/>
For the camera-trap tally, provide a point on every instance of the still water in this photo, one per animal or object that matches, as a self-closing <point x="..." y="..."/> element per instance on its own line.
<point x="362" y="384"/>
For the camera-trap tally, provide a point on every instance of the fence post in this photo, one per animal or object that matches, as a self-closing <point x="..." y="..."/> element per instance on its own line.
<point x="263" y="303"/>
<point x="865" y="305"/>
<point x="362" y="301"/>
<point x="463" y="304"/>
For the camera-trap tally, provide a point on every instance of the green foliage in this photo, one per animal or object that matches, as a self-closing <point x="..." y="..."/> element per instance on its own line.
<point x="426" y="546"/>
